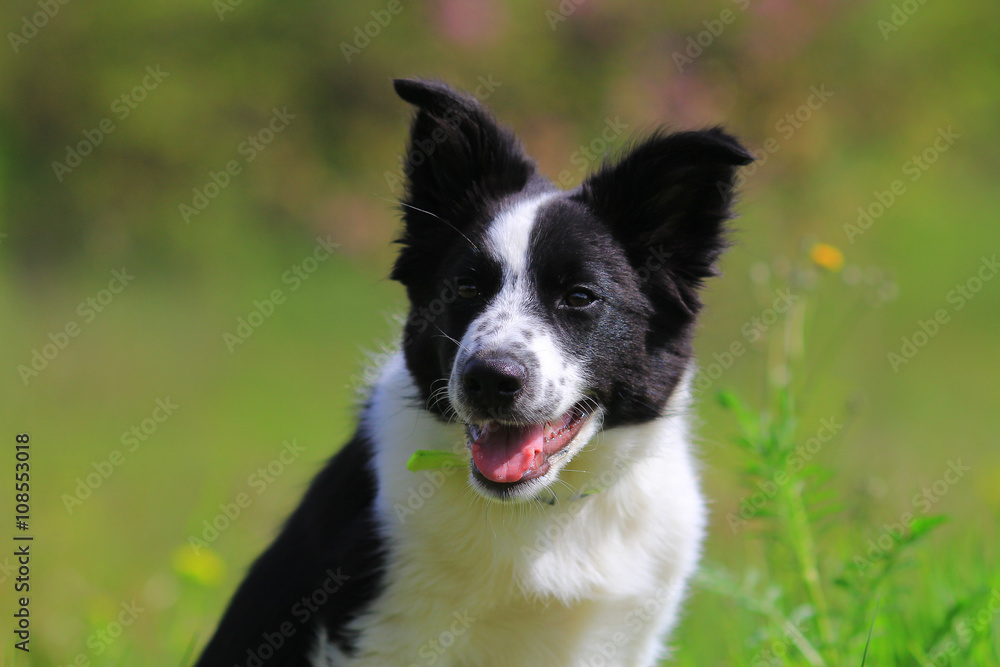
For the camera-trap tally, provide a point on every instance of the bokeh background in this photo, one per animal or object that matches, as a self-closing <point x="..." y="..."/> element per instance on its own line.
<point x="114" y="117"/>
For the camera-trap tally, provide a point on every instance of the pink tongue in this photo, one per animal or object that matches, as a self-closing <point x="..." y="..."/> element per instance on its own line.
<point x="506" y="453"/>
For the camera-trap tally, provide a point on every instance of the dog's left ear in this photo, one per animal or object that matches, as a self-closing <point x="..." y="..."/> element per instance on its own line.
<point x="457" y="148"/>
<point x="670" y="196"/>
<point x="459" y="159"/>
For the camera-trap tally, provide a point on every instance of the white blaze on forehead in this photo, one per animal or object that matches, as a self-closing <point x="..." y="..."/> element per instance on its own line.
<point x="509" y="234"/>
<point x="509" y="324"/>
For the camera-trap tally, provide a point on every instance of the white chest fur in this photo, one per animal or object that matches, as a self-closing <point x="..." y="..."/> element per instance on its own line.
<point x="595" y="580"/>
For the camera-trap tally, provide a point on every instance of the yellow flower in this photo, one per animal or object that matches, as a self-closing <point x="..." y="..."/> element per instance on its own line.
<point x="200" y="564"/>
<point x="827" y="256"/>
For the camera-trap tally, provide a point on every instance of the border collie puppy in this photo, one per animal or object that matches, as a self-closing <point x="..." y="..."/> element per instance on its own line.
<point x="550" y="345"/>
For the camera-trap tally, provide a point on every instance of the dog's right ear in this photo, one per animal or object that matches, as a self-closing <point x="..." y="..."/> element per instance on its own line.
<point x="459" y="159"/>
<point x="671" y="193"/>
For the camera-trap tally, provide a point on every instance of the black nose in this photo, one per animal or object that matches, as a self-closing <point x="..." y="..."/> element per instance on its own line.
<point x="493" y="382"/>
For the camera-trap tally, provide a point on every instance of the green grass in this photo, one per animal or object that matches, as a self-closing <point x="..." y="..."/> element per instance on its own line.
<point x="821" y="594"/>
<point x="819" y="605"/>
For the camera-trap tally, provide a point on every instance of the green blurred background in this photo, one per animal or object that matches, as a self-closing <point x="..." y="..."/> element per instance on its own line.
<point x="839" y="97"/>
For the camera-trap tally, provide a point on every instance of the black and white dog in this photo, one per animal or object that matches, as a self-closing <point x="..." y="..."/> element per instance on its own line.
<point x="549" y="342"/>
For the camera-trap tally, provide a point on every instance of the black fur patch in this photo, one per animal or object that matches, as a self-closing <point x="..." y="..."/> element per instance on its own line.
<point x="323" y="569"/>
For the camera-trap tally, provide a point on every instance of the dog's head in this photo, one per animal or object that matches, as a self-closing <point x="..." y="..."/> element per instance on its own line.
<point x="539" y="316"/>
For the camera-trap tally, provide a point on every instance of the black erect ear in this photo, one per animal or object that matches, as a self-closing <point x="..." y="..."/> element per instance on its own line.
<point x="459" y="159"/>
<point x="669" y="197"/>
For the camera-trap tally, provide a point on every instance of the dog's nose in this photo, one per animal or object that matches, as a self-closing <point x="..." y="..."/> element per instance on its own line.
<point x="493" y="382"/>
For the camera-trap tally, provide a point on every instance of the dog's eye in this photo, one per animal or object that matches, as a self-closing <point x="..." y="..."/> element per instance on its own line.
<point x="579" y="298"/>
<point x="467" y="289"/>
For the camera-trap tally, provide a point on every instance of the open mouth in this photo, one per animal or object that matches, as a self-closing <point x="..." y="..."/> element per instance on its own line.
<point x="509" y="454"/>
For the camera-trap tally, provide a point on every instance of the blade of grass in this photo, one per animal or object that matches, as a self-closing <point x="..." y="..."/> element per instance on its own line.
<point x="871" y="629"/>
<point x="189" y="652"/>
